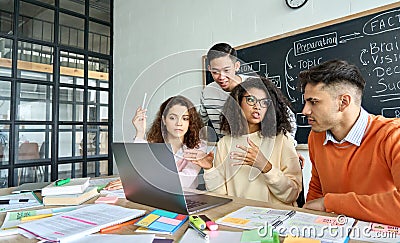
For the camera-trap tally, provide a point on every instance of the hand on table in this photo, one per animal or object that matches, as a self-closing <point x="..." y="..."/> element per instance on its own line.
<point x="114" y="185"/>
<point x="316" y="204"/>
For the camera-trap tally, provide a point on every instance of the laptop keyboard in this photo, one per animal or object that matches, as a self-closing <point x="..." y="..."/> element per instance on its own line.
<point x="193" y="204"/>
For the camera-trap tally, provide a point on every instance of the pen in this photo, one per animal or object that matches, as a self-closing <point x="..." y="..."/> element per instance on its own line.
<point x="144" y="100"/>
<point x="200" y="232"/>
<point x="14" y="201"/>
<point x="35" y="217"/>
<point x="117" y="226"/>
<point x="61" y="182"/>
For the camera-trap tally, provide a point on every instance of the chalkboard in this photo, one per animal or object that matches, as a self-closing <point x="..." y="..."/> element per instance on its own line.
<point x="370" y="40"/>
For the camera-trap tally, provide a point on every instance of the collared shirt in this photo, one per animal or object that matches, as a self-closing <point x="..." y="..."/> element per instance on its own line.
<point x="356" y="132"/>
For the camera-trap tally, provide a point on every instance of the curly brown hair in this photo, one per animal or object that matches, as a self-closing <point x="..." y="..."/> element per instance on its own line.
<point x="158" y="130"/>
<point x="276" y="119"/>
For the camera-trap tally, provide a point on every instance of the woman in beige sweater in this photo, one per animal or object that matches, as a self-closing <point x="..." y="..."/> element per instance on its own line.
<point x="257" y="159"/>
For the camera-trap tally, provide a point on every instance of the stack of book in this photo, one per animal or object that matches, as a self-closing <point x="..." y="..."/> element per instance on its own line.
<point x="68" y="192"/>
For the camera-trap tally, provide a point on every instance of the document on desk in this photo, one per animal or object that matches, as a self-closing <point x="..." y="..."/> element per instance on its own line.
<point x="374" y="232"/>
<point x="80" y="222"/>
<point x="116" y="238"/>
<point x="18" y="201"/>
<point x="13" y="219"/>
<point x="290" y="222"/>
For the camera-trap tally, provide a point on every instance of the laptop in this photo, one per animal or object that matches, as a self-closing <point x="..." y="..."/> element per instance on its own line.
<point x="149" y="176"/>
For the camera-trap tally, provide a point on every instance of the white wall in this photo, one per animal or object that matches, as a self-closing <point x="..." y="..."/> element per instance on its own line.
<point x="158" y="44"/>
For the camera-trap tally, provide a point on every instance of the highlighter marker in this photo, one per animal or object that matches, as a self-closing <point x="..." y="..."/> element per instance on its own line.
<point x="197" y="222"/>
<point x="209" y="223"/>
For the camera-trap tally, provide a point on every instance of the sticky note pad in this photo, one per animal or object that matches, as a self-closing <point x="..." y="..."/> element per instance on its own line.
<point x="164" y="213"/>
<point x="236" y="221"/>
<point x="148" y="220"/>
<point x="255" y="236"/>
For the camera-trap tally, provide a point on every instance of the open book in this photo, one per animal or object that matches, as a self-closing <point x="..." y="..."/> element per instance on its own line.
<point x="290" y="222"/>
<point x="80" y="222"/>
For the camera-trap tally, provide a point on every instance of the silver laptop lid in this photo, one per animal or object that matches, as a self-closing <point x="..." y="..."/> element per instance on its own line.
<point x="149" y="175"/>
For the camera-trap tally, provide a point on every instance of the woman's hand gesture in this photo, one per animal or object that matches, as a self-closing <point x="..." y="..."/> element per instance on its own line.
<point x="252" y="156"/>
<point x="139" y="122"/>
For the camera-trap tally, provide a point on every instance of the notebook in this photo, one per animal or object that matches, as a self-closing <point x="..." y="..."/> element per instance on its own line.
<point x="149" y="176"/>
<point x="76" y="185"/>
<point x="80" y="222"/>
<point x="71" y="199"/>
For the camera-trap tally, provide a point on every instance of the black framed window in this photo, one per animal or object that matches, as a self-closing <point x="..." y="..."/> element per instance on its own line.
<point x="55" y="89"/>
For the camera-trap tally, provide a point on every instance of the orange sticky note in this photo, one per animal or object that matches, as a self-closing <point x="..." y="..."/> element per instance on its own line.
<point x="293" y="239"/>
<point x="236" y="221"/>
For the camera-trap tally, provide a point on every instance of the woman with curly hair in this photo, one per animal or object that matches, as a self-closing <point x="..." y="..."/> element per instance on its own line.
<point x="257" y="159"/>
<point x="177" y="123"/>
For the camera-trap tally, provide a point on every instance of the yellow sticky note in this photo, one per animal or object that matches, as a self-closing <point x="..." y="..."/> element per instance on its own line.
<point x="236" y="220"/>
<point x="148" y="220"/>
<point x="293" y="239"/>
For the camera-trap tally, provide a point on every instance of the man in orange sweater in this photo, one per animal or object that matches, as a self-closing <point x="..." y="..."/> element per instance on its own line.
<point x="355" y="156"/>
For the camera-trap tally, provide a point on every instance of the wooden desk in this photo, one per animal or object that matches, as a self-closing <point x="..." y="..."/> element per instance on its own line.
<point x="213" y="214"/>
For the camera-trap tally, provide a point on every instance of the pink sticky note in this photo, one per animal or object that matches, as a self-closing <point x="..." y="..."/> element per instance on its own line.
<point x="109" y="200"/>
<point x="169" y="221"/>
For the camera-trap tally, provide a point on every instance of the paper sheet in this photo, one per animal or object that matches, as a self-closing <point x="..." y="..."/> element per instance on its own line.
<point x="33" y="201"/>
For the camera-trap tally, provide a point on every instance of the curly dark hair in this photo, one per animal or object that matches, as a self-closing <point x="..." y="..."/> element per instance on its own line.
<point x="234" y="122"/>
<point x="158" y="130"/>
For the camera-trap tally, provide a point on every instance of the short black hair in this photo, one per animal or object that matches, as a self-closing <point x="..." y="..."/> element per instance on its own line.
<point x="220" y="50"/>
<point x="331" y="73"/>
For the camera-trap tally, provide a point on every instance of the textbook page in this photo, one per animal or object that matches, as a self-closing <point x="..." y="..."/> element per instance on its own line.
<point x="80" y="222"/>
<point x="32" y="201"/>
<point x="374" y="232"/>
<point x="325" y="228"/>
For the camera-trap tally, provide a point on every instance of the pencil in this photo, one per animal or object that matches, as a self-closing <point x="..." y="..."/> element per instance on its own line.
<point x="117" y="226"/>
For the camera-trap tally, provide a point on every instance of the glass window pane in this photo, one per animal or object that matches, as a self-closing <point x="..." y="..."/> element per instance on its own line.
<point x="100" y="9"/>
<point x="71" y="104"/>
<point x="99" y="38"/>
<point x="3" y="178"/>
<point x="6" y="16"/>
<point x="97" y="140"/>
<point x="70" y="141"/>
<point x="36" y="22"/>
<point x="4" y="145"/>
<point x="5" y="56"/>
<point x="50" y="2"/>
<point x="5" y="96"/>
<point x="97" y="168"/>
<point x="32" y="174"/>
<point x="74" y="170"/>
<point x="71" y="64"/>
<point x="98" y="72"/>
<point x="71" y="31"/>
<point x="28" y="54"/>
<point x="73" y="5"/>
<point x="34" y="143"/>
<point x="34" y="102"/>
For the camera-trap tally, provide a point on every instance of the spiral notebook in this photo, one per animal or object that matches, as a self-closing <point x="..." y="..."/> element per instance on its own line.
<point x="80" y="222"/>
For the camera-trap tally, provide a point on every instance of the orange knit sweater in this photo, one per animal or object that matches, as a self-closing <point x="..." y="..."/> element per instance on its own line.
<point x="361" y="182"/>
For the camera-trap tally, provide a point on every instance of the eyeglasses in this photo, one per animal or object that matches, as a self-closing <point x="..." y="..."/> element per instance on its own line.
<point x="252" y="101"/>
